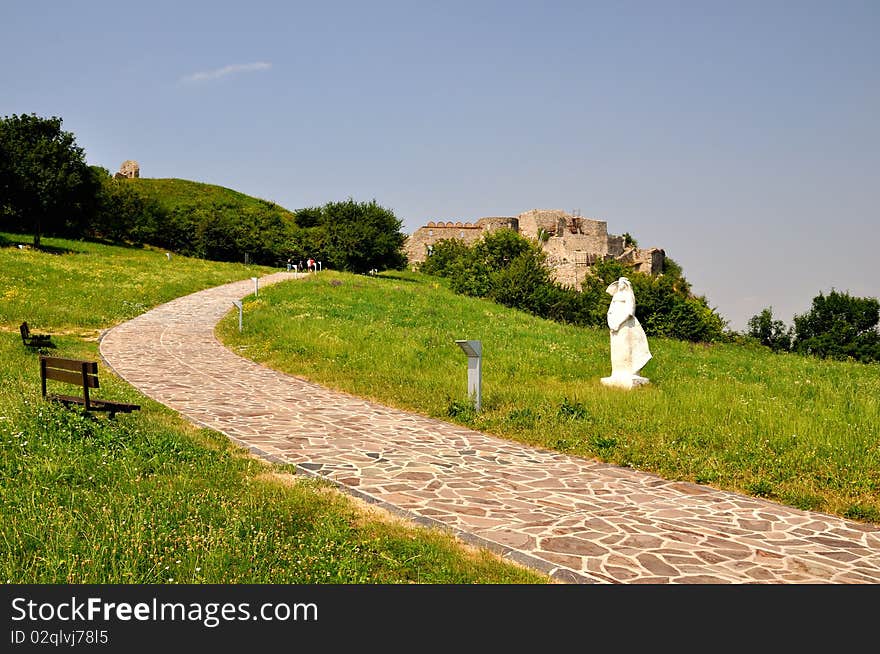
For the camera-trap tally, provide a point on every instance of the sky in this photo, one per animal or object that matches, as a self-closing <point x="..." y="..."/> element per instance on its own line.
<point x="740" y="137"/>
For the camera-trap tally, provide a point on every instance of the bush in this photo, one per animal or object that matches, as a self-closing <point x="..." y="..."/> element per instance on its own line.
<point x="839" y="326"/>
<point x="352" y="236"/>
<point x="502" y="265"/>
<point x="470" y="276"/>
<point x="517" y="284"/>
<point x="770" y="333"/>
<point x="443" y="255"/>
<point x="512" y="270"/>
<point x="123" y="215"/>
<point x="664" y="304"/>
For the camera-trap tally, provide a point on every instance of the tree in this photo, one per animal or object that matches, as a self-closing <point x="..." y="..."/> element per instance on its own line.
<point x="481" y="272"/>
<point x="519" y="283"/>
<point x="45" y="184"/>
<point x="771" y="333"/>
<point x="629" y="240"/>
<point x="442" y="255"/>
<point x="839" y="326"/>
<point x="122" y="214"/>
<point x="665" y="305"/>
<point x="355" y="236"/>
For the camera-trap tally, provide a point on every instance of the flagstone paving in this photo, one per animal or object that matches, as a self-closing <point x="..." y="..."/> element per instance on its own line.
<point x="578" y="520"/>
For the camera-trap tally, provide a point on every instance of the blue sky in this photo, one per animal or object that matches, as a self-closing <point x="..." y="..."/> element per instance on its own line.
<point x="741" y="137"/>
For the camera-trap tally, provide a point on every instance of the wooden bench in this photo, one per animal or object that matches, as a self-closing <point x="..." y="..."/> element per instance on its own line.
<point x="81" y="373"/>
<point x="34" y="340"/>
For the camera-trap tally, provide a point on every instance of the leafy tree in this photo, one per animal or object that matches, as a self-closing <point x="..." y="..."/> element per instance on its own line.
<point x="122" y="214"/>
<point x="220" y="235"/>
<point x="673" y="272"/>
<point x="476" y="269"/>
<point x="442" y="255"/>
<point x="354" y="236"/>
<point x="772" y="333"/>
<point x="471" y="276"/>
<point x="518" y="284"/>
<point x="478" y="273"/>
<point x="308" y="217"/>
<point x="500" y="247"/>
<point x="45" y="184"/>
<point x="563" y="304"/>
<point x="839" y="326"/>
<point x="664" y="304"/>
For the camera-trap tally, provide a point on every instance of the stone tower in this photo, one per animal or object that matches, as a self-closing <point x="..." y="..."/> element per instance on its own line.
<point x="129" y="169"/>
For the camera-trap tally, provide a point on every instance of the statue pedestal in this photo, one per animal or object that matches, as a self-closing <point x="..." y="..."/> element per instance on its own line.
<point x="625" y="381"/>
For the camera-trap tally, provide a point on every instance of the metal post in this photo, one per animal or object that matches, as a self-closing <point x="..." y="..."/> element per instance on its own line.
<point x="474" y="352"/>
<point x="238" y="304"/>
<point x="256" y="283"/>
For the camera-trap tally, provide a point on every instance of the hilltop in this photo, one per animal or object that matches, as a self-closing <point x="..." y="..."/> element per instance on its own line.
<point x="175" y="194"/>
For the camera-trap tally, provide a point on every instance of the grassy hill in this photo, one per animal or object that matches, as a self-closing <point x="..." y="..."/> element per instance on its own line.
<point x="173" y="194"/>
<point x="799" y="430"/>
<point x="203" y="220"/>
<point x="148" y="497"/>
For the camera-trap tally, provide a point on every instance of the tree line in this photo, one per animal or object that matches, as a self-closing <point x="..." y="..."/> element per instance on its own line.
<point x="512" y="270"/>
<point x="47" y="188"/>
<point x="837" y="326"/>
<point x="506" y="267"/>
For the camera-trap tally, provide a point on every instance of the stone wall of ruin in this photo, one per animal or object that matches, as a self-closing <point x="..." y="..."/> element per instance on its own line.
<point x="129" y="169"/>
<point x="552" y="221"/>
<point x="597" y="228"/>
<point x="568" y="254"/>
<point x="416" y="246"/>
<point x="491" y="223"/>
<point x="564" y="248"/>
<point x="650" y="261"/>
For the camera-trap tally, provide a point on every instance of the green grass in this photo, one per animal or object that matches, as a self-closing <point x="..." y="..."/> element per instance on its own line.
<point x="173" y="193"/>
<point x="801" y="431"/>
<point x="81" y="285"/>
<point x="148" y="497"/>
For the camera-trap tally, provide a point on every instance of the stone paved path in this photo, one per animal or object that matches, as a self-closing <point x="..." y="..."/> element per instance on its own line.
<point x="578" y="520"/>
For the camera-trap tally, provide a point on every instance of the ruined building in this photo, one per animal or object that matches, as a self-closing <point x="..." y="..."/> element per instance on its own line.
<point x="129" y="169"/>
<point x="572" y="243"/>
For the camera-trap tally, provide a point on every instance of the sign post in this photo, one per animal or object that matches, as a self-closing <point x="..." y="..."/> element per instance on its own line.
<point x="474" y="352"/>
<point x="238" y="304"/>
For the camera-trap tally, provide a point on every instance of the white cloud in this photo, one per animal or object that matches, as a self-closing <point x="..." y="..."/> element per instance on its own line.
<point x="206" y="75"/>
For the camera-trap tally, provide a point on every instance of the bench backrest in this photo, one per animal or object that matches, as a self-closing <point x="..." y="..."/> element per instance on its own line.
<point x="71" y="371"/>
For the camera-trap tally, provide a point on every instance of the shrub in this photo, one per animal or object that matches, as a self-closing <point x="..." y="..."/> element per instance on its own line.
<point x="769" y="332"/>
<point x="443" y="255"/>
<point x="517" y="284"/>
<point x="353" y="236"/>
<point x="839" y="326"/>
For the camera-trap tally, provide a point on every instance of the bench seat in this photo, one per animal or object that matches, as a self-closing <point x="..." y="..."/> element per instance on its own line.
<point x="84" y="373"/>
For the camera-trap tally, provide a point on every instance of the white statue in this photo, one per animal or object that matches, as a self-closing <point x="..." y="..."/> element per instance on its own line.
<point x="629" y="345"/>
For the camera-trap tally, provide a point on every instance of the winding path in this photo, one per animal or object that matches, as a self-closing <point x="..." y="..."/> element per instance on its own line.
<point x="578" y="520"/>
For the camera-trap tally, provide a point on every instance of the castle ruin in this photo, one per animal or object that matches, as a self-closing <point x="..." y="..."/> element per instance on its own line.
<point x="129" y="169"/>
<point x="572" y="243"/>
